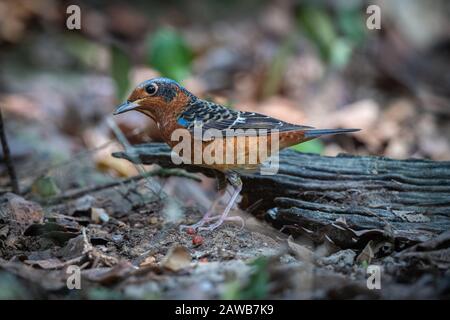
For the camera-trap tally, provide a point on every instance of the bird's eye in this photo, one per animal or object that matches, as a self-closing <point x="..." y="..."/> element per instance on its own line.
<point x="151" y="89"/>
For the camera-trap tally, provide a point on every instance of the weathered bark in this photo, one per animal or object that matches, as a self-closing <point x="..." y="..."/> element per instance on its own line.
<point x="345" y="199"/>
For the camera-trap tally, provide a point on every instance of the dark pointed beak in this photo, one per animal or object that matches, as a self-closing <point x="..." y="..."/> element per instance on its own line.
<point x="126" y="106"/>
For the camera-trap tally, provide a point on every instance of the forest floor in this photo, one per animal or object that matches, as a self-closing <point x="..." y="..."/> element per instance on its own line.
<point x="79" y="206"/>
<point x="126" y="244"/>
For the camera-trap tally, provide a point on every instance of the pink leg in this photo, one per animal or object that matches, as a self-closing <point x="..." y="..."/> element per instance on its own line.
<point x="236" y="184"/>
<point x="206" y="217"/>
<point x="234" y="218"/>
<point x="224" y="216"/>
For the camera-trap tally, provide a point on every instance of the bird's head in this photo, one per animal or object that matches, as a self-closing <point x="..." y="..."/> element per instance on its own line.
<point x="156" y="97"/>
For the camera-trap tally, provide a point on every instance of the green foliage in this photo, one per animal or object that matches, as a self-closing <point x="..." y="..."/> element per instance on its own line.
<point x="317" y="25"/>
<point x="231" y="291"/>
<point x="257" y="286"/>
<point x="334" y="35"/>
<point x="85" y="51"/>
<point x="120" y="69"/>
<point x="168" y="53"/>
<point x="340" y="53"/>
<point x="312" y="146"/>
<point x="351" y="23"/>
<point x="45" y="187"/>
<point x="364" y="264"/>
<point x="277" y="68"/>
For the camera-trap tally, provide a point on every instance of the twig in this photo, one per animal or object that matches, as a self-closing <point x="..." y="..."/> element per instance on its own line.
<point x="7" y="157"/>
<point x="94" y="254"/>
<point x="162" y="172"/>
<point x="76" y="157"/>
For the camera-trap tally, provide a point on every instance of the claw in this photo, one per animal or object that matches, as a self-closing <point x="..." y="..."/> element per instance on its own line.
<point x="196" y="226"/>
<point x="211" y="227"/>
<point x="221" y="220"/>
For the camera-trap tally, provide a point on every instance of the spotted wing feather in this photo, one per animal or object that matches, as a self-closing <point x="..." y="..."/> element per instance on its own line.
<point x="210" y="115"/>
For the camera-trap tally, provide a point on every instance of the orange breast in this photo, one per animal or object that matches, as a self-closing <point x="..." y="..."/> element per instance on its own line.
<point x="243" y="152"/>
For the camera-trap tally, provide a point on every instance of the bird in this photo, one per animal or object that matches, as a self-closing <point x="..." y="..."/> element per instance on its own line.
<point x="175" y="109"/>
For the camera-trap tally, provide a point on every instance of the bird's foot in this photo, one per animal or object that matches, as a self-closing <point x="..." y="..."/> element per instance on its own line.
<point x="196" y="225"/>
<point x="200" y="225"/>
<point x="236" y="183"/>
<point x="221" y="220"/>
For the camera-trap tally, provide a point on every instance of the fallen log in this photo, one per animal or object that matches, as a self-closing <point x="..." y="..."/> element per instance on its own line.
<point x="347" y="200"/>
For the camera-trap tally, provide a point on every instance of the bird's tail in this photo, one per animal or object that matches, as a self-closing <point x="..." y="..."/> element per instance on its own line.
<point x="315" y="133"/>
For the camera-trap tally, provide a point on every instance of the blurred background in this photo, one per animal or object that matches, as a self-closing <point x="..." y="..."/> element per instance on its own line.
<point x="313" y="63"/>
<point x="308" y="62"/>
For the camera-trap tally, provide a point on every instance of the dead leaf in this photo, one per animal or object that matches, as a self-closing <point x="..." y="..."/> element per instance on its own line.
<point x="177" y="258"/>
<point x="75" y="247"/>
<point x="149" y="261"/>
<point x="4" y="230"/>
<point x="52" y="231"/>
<point x="60" y="237"/>
<point x="20" y="213"/>
<point x="69" y="222"/>
<point x="38" y="229"/>
<point x="343" y="258"/>
<point x="367" y="254"/>
<point x="107" y="276"/>
<point x="51" y="263"/>
<point x="103" y="158"/>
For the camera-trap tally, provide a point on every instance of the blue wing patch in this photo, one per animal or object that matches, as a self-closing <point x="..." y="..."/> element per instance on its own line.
<point x="183" y="122"/>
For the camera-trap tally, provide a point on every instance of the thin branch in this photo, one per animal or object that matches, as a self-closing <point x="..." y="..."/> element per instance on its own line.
<point x="7" y="157"/>
<point x="162" y="172"/>
<point x="75" y="158"/>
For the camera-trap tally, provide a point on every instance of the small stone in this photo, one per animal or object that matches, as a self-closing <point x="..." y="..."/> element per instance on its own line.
<point x="153" y="220"/>
<point x="117" y="237"/>
<point x="99" y="215"/>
